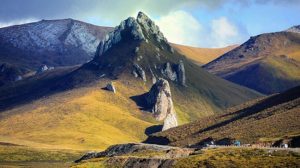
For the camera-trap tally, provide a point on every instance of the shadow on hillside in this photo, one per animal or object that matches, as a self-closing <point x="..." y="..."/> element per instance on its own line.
<point x="153" y="129"/>
<point x="140" y="101"/>
<point x="263" y="104"/>
<point x="43" y="85"/>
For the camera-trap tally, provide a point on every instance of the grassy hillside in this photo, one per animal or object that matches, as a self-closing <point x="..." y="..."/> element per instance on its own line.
<point x="37" y="113"/>
<point x="270" y="118"/>
<point x="276" y="74"/>
<point x="85" y="118"/>
<point x="272" y="56"/>
<point x="68" y="107"/>
<point x="202" y="56"/>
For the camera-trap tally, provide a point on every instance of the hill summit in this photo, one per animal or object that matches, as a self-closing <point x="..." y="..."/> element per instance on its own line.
<point x="274" y="57"/>
<point x="142" y="48"/>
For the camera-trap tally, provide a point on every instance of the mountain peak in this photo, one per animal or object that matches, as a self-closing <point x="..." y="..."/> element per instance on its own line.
<point x="294" y="29"/>
<point x="150" y="27"/>
<point x="139" y="46"/>
<point x="141" y="28"/>
<point x="142" y="15"/>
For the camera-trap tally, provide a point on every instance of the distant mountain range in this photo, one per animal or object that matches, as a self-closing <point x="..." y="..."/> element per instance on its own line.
<point x="268" y="63"/>
<point x="53" y="43"/>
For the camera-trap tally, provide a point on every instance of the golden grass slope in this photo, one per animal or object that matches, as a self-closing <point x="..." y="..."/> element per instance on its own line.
<point x="85" y="118"/>
<point x="202" y="56"/>
<point x="90" y="117"/>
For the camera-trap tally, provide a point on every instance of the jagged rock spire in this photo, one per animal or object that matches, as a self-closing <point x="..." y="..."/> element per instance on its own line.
<point x="135" y="27"/>
<point x="150" y="27"/>
<point x="115" y="36"/>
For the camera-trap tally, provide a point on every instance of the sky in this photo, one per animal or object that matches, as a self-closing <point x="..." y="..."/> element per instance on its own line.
<point x="200" y="23"/>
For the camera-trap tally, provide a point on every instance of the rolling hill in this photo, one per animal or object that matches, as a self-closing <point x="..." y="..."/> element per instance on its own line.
<point x="202" y="56"/>
<point x="68" y="108"/>
<point x="268" y="63"/>
<point x="265" y="120"/>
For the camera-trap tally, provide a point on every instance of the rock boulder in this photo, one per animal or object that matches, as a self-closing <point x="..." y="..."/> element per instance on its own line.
<point x="160" y="100"/>
<point x="110" y="86"/>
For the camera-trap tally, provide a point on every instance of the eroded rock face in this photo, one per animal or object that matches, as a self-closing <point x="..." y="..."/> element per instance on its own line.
<point x="139" y="72"/>
<point x="175" y="72"/>
<point x="159" y="98"/>
<point x="168" y="72"/>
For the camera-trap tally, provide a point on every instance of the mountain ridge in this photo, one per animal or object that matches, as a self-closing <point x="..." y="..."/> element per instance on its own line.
<point x="50" y="38"/>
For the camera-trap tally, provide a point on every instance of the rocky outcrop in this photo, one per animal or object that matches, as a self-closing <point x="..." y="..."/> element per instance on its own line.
<point x="181" y="73"/>
<point x="154" y="79"/>
<point x="150" y="27"/>
<point x="131" y="148"/>
<point x="294" y="29"/>
<point x="160" y="100"/>
<point x="135" y="28"/>
<point x="139" y="72"/>
<point x="115" y="36"/>
<point x="110" y="86"/>
<point x="168" y="72"/>
<point x="170" y="121"/>
<point x="175" y="72"/>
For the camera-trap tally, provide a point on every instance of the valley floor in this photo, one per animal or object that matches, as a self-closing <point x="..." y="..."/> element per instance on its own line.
<point x="12" y="155"/>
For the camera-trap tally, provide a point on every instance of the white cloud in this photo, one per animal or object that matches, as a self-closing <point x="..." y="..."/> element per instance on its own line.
<point x="180" y="27"/>
<point x="17" y="22"/>
<point x="223" y="32"/>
